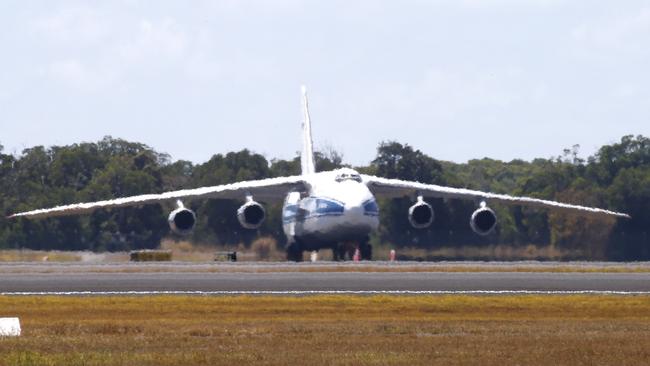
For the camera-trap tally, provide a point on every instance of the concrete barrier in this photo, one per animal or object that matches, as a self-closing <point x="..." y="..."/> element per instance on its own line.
<point x="9" y="327"/>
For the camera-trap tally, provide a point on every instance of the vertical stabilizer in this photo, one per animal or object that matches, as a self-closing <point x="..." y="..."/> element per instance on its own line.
<point x="307" y="156"/>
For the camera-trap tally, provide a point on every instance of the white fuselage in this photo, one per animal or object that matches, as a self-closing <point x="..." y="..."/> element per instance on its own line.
<point x="336" y="207"/>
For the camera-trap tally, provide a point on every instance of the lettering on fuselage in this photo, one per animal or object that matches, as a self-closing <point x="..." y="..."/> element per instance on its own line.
<point x="311" y="207"/>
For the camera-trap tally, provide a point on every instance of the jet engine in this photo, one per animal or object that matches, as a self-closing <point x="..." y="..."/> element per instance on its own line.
<point x="182" y="220"/>
<point x="251" y="214"/>
<point x="421" y="214"/>
<point x="483" y="220"/>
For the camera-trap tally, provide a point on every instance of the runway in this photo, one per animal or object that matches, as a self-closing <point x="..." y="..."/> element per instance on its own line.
<point x="186" y="282"/>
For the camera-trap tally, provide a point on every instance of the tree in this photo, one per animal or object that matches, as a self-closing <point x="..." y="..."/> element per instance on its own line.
<point x="398" y="161"/>
<point x="616" y="177"/>
<point x="587" y="235"/>
<point x="630" y="192"/>
<point x="217" y="220"/>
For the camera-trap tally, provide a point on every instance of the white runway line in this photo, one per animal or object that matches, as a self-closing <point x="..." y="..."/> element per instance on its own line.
<point x="328" y="292"/>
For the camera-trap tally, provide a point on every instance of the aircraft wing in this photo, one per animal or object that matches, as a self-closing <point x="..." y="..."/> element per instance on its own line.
<point x="393" y="188"/>
<point x="264" y="189"/>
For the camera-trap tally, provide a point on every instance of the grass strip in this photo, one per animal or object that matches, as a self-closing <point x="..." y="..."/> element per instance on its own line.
<point x="328" y="330"/>
<point x="347" y="267"/>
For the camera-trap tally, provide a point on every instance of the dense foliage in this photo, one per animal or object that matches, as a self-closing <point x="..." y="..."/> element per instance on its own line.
<point x="616" y="177"/>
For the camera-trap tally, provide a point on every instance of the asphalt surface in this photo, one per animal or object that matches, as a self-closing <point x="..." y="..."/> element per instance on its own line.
<point x="57" y="281"/>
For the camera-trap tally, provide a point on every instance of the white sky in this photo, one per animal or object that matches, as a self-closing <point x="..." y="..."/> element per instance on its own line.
<point x="456" y="79"/>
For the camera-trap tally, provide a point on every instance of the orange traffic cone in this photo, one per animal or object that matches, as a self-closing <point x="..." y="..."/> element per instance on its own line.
<point x="357" y="255"/>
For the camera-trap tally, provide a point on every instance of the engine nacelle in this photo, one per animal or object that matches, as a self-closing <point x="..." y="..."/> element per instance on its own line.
<point x="251" y="215"/>
<point x="182" y="220"/>
<point x="421" y="214"/>
<point x="483" y="220"/>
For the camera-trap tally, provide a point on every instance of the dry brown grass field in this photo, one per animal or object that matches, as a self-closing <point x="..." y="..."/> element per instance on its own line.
<point x="185" y="252"/>
<point x="266" y="249"/>
<point x="329" y="330"/>
<point x="363" y="267"/>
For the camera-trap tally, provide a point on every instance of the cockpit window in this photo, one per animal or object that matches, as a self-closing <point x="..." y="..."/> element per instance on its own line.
<point x="348" y="176"/>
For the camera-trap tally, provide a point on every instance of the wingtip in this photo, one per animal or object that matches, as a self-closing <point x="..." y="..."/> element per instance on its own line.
<point x="622" y="215"/>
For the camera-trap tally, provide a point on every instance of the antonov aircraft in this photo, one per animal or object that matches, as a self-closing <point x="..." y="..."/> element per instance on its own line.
<point x="323" y="209"/>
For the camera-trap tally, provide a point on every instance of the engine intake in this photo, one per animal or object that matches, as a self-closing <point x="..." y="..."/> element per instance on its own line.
<point x="182" y="220"/>
<point x="483" y="220"/>
<point x="421" y="214"/>
<point x="251" y="215"/>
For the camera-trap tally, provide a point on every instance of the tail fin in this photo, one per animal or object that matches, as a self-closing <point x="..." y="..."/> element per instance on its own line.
<point x="307" y="156"/>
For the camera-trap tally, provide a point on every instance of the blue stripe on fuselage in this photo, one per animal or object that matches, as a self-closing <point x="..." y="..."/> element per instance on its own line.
<point x="312" y="207"/>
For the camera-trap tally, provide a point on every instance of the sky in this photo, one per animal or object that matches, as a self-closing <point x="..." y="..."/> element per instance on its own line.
<point x="458" y="80"/>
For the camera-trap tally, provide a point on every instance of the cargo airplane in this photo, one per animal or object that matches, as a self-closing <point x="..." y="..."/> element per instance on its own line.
<point x="323" y="210"/>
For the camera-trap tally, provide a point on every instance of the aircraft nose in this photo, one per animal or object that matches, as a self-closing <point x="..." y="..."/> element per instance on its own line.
<point x="354" y="208"/>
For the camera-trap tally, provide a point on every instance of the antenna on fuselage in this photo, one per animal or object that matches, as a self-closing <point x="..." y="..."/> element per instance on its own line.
<point x="307" y="157"/>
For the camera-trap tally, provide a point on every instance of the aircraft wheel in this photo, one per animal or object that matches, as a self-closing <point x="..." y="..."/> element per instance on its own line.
<point x="335" y="253"/>
<point x="365" y="250"/>
<point x="294" y="252"/>
<point x="343" y="252"/>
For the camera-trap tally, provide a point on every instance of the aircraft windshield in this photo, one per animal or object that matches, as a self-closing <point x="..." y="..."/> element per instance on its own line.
<point x="348" y="176"/>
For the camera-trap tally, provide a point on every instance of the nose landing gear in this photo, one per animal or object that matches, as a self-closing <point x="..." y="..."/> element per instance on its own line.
<point x="340" y="251"/>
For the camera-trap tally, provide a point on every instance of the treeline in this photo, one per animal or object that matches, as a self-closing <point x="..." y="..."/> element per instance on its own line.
<point x="617" y="177"/>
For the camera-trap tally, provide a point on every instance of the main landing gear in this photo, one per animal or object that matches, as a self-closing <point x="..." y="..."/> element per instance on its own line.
<point x="340" y="251"/>
<point x="347" y="249"/>
<point x="294" y="252"/>
<point x="365" y="249"/>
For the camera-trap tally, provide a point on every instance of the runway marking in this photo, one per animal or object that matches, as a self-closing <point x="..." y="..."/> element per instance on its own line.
<point x="329" y="292"/>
